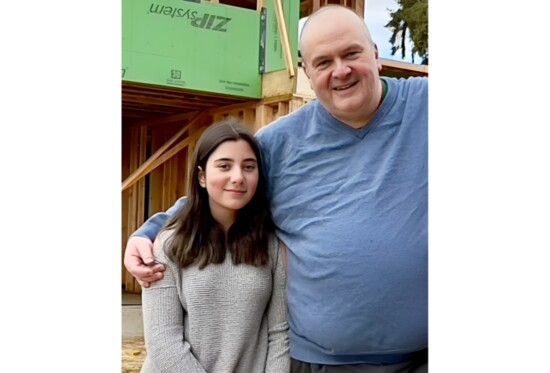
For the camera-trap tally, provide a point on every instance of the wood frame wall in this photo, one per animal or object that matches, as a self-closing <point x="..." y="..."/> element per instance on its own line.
<point x="156" y="156"/>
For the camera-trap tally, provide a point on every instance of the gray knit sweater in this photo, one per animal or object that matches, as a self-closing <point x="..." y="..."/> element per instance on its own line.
<point x="224" y="318"/>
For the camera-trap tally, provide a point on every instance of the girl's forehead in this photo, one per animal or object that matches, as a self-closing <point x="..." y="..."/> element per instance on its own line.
<point x="239" y="149"/>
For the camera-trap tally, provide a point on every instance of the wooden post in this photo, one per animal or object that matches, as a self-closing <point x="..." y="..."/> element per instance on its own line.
<point x="285" y="44"/>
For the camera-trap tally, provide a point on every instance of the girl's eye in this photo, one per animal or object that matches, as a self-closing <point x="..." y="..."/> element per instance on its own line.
<point x="250" y="167"/>
<point x="223" y="166"/>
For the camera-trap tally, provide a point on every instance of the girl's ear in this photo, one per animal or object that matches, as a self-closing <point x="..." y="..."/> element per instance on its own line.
<point x="202" y="178"/>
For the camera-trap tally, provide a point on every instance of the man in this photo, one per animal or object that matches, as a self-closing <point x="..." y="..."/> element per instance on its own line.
<point x="347" y="181"/>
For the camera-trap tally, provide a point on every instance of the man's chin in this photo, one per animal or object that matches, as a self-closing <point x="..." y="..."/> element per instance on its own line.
<point x="347" y="108"/>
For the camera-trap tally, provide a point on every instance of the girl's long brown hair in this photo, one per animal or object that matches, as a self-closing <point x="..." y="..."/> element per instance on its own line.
<point x="196" y="236"/>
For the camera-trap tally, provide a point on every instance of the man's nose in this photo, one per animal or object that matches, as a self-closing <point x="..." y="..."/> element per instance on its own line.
<point x="341" y="69"/>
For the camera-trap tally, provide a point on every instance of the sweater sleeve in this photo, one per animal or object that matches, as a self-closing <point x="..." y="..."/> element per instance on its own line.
<point x="163" y="321"/>
<point x="152" y="226"/>
<point x="278" y="358"/>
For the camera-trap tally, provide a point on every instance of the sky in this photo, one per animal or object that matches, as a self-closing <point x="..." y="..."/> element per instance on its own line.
<point x="377" y="15"/>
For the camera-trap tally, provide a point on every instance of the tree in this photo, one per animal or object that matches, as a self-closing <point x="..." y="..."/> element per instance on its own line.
<point x="410" y="18"/>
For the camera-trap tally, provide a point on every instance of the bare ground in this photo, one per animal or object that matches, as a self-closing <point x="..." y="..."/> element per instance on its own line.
<point x="133" y="354"/>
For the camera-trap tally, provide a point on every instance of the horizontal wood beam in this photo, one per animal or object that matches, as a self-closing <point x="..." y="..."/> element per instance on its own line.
<point x="165" y="120"/>
<point x="145" y="167"/>
<point x="404" y="66"/>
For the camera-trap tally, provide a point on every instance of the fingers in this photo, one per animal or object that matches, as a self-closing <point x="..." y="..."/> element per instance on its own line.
<point x="146" y="273"/>
<point x="137" y="249"/>
<point x="153" y="273"/>
<point x="140" y="262"/>
<point x="140" y="247"/>
<point x="148" y="260"/>
<point x="146" y="281"/>
<point x="135" y="266"/>
<point x="145" y="250"/>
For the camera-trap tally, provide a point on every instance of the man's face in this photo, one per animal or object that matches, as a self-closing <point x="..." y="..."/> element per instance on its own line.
<point x="342" y="65"/>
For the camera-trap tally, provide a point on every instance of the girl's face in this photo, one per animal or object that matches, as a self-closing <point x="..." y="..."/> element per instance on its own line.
<point x="230" y="178"/>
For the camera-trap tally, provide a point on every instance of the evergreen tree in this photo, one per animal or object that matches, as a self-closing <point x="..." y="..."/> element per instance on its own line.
<point x="411" y="17"/>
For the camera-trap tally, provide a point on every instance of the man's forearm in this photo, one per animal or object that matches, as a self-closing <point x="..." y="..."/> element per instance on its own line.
<point x="153" y="225"/>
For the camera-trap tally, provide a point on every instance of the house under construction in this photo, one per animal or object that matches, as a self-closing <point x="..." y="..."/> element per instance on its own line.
<point x="187" y="64"/>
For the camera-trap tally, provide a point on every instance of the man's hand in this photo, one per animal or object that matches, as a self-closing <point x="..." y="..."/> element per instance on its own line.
<point x="139" y="261"/>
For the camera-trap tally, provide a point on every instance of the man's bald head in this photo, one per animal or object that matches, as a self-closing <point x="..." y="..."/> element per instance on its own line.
<point x="328" y="13"/>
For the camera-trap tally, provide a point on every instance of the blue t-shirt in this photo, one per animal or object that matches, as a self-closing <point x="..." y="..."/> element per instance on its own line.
<point x="351" y="205"/>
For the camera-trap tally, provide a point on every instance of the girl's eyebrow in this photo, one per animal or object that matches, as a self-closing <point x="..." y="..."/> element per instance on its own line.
<point x="232" y="160"/>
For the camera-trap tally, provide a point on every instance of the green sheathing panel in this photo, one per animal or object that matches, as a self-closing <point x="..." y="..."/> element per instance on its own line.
<point x="275" y="59"/>
<point x="205" y="47"/>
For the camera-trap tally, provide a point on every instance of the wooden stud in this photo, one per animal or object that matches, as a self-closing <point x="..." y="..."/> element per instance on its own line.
<point x="144" y="168"/>
<point x="281" y="23"/>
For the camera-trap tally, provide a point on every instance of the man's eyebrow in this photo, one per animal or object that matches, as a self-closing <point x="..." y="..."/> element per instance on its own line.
<point x="351" y="47"/>
<point x="318" y="59"/>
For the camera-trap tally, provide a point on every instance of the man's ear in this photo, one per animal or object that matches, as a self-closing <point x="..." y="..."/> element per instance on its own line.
<point x="304" y="66"/>
<point x="202" y="178"/>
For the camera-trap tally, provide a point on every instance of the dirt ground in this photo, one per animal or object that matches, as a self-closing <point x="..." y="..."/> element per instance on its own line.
<point x="133" y="354"/>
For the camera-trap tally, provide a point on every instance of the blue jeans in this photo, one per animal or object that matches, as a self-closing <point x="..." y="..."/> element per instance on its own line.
<point x="419" y="364"/>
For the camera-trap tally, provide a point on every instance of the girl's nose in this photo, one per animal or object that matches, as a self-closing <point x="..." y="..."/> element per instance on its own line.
<point x="237" y="175"/>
